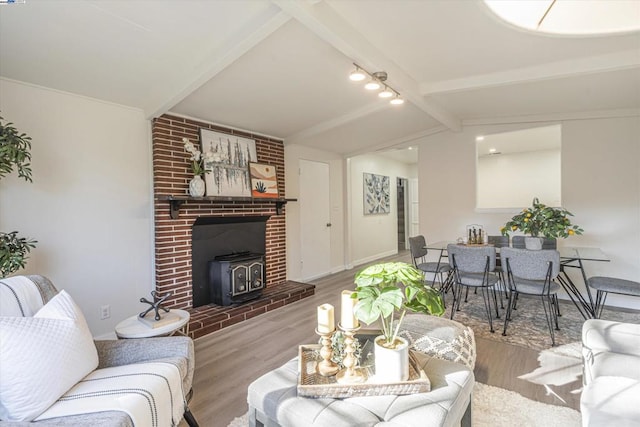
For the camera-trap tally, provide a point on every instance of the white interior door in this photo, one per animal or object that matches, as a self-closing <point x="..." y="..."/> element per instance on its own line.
<point x="414" y="225"/>
<point x="315" y="219"/>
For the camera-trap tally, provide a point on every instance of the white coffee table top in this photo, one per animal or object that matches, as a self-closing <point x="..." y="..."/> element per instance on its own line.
<point x="131" y="327"/>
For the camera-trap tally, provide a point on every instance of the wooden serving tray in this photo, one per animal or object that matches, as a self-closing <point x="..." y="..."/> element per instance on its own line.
<point x="312" y="384"/>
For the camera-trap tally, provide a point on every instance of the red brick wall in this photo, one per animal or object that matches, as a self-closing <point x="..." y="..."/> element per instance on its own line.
<point x="171" y="175"/>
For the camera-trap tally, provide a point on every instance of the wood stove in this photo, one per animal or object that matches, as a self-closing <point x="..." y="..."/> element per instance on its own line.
<point x="236" y="278"/>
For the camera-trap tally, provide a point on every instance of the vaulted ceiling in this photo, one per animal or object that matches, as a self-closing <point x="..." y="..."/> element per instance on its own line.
<point x="280" y="67"/>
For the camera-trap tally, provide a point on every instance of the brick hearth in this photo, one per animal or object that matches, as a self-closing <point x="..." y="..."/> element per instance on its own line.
<point x="173" y="236"/>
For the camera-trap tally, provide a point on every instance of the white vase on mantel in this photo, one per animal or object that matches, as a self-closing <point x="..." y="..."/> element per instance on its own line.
<point x="391" y="364"/>
<point x="196" y="186"/>
<point x="533" y="243"/>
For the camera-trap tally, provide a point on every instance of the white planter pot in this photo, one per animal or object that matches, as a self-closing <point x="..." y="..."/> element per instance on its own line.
<point x="196" y="186"/>
<point x="533" y="243"/>
<point x="392" y="364"/>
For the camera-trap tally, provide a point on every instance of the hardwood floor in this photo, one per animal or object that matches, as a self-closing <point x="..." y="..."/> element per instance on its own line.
<point x="227" y="361"/>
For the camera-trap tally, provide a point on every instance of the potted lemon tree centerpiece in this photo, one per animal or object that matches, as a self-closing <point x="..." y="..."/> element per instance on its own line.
<point x="386" y="292"/>
<point x="540" y="221"/>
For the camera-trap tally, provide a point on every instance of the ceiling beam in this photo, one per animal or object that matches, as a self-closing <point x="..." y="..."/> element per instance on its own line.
<point x="335" y="122"/>
<point x="554" y="70"/>
<point x="324" y="22"/>
<point x="399" y="143"/>
<point x="216" y="63"/>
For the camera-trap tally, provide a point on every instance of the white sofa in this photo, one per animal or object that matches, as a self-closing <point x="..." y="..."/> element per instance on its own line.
<point x="611" y="393"/>
<point x="23" y="297"/>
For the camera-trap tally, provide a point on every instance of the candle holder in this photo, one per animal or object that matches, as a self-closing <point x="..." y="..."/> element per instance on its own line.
<point x="350" y="374"/>
<point x="327" y="367"/>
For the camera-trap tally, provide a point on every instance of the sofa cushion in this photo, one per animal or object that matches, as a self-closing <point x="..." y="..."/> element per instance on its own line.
<point x="608" y="364"/>
<point x="19" y="296"/>
<point x="42" y="357"/>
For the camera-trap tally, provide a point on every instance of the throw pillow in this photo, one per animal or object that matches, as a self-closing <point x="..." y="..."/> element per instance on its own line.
<point x="42" y="357"/>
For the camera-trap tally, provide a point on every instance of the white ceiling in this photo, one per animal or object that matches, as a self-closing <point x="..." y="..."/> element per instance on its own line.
<point x="280" y="67"/>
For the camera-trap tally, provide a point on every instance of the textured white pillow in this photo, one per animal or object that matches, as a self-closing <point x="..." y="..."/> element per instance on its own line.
<point x="42" y="357"/>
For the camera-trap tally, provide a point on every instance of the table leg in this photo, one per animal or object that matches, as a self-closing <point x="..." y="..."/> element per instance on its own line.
<point x="584" y="306"/>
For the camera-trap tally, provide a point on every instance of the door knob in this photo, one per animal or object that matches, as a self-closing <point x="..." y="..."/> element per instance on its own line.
<point x="328" y="224"/>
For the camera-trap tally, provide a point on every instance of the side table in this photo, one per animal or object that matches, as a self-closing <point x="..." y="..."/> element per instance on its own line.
<point x="131" y="327"/>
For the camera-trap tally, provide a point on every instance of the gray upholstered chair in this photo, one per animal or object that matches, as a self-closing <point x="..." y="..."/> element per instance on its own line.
<point x="605" y="285"/>
<point x="26" y="299"/>
<point x="547" y="242"/>
<point x="418" y="248"/>
<point x="473" y="268"/>
<point x="532" y="273"/>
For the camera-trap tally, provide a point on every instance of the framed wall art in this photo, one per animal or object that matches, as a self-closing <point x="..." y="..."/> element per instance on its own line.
<point x="376" y="194"/>
<point x="226" y="161"/>
<point x="264" y="182"/>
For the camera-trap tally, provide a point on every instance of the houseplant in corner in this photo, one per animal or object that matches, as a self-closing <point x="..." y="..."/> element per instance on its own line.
<point x="14" y="153"/>
<point x="540" y="221"/>
<point x="386" y="292"/>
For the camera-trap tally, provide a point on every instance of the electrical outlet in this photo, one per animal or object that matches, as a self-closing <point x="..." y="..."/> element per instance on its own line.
<point x="105" y="312"/>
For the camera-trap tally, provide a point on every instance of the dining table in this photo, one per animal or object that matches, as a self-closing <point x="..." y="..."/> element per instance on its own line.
<point x="570" y="257"/>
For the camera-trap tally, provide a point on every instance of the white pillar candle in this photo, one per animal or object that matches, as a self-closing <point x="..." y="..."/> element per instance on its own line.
<point x="348" y="319"/>
<point x="326" y="322"/>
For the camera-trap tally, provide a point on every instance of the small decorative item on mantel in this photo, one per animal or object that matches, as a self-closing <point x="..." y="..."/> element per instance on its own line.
<point x="151" y="316"/>
<point x="196" y="185"/>
<point x="541" y="221"/>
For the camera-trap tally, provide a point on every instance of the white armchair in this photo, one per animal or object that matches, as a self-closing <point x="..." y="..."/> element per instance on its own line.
<point x="23" y="296"/>
<point x="611" y="352"/>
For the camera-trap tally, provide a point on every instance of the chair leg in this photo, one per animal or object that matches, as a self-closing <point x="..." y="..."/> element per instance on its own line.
<point x="549" y="314"/>
<point x="487" y="306"/>
<point x="189" y="418"/>
<point x="507" y="317"/>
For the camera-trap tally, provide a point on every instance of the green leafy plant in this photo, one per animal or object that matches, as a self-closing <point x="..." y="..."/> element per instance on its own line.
<point x="542" y="220"/>
<point x="14" y="151"/>
<point x="13" y="252"/>
<point x="387" y="291"/>
<point x="260" y="187"/>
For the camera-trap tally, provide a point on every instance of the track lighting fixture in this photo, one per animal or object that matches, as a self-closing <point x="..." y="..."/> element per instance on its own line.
<point x="375" y="82"/>
<point x="357" y="75"/>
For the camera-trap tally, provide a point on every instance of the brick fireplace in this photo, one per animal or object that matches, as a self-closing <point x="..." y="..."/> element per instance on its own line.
<point x="173" y="237"/>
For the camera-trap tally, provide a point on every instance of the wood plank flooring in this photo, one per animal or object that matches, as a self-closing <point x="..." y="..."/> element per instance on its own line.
<point x="227" y="361"/>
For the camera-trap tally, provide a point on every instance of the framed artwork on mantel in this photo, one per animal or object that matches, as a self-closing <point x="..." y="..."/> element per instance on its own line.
<point x="226" y="161"/>
<point x="264" y="182"/>
<point x="377" y="194"/>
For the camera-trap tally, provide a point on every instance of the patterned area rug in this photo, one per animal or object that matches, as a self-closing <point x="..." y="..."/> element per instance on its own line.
<point x="497" y="407"/>
<point x="528" y="327"/>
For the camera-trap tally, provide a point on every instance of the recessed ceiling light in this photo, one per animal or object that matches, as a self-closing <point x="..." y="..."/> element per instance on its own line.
<point x="480" y="138"/>
<point x="492" y="150"/>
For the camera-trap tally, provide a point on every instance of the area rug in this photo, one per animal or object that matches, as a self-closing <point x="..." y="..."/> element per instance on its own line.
<point x="528" y="327"/>
<point x="497" y="407"/>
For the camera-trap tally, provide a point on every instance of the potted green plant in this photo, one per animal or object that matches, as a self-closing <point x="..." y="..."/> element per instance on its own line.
<point x="13" y="252"/>
<point x="540" y="221"/>
<point x="386" y="292"/>
<point x="14" y="153"/>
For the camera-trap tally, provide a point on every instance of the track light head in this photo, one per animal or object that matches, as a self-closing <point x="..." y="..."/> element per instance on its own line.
<point x="357" y="75"/>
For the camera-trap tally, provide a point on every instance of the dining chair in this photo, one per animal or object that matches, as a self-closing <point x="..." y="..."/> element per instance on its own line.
<point x="532" y="273"/>
<point x="473" y="268"/>
<point x="547" y="242"/>
<point x="500" y="242"/>
<point x="418" y="248"/>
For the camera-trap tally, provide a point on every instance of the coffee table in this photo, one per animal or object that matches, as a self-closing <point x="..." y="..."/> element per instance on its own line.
<point x="131" y="327"/>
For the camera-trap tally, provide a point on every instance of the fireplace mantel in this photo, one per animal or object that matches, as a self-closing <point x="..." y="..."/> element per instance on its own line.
<point x="175" y="202"/>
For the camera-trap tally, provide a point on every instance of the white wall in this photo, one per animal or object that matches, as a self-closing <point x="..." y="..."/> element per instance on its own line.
<point x="90" y="205"/>
<point x="373" y="236"/>
<point x="600" y="186"/>
<point x="512" y="180"/>
<point x="292" y="155"/>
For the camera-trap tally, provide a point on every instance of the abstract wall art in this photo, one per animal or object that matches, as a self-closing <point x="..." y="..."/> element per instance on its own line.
<point x="376" y="194"/>
<point x="264" y="184"/>
<point x="226" y="161"/>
